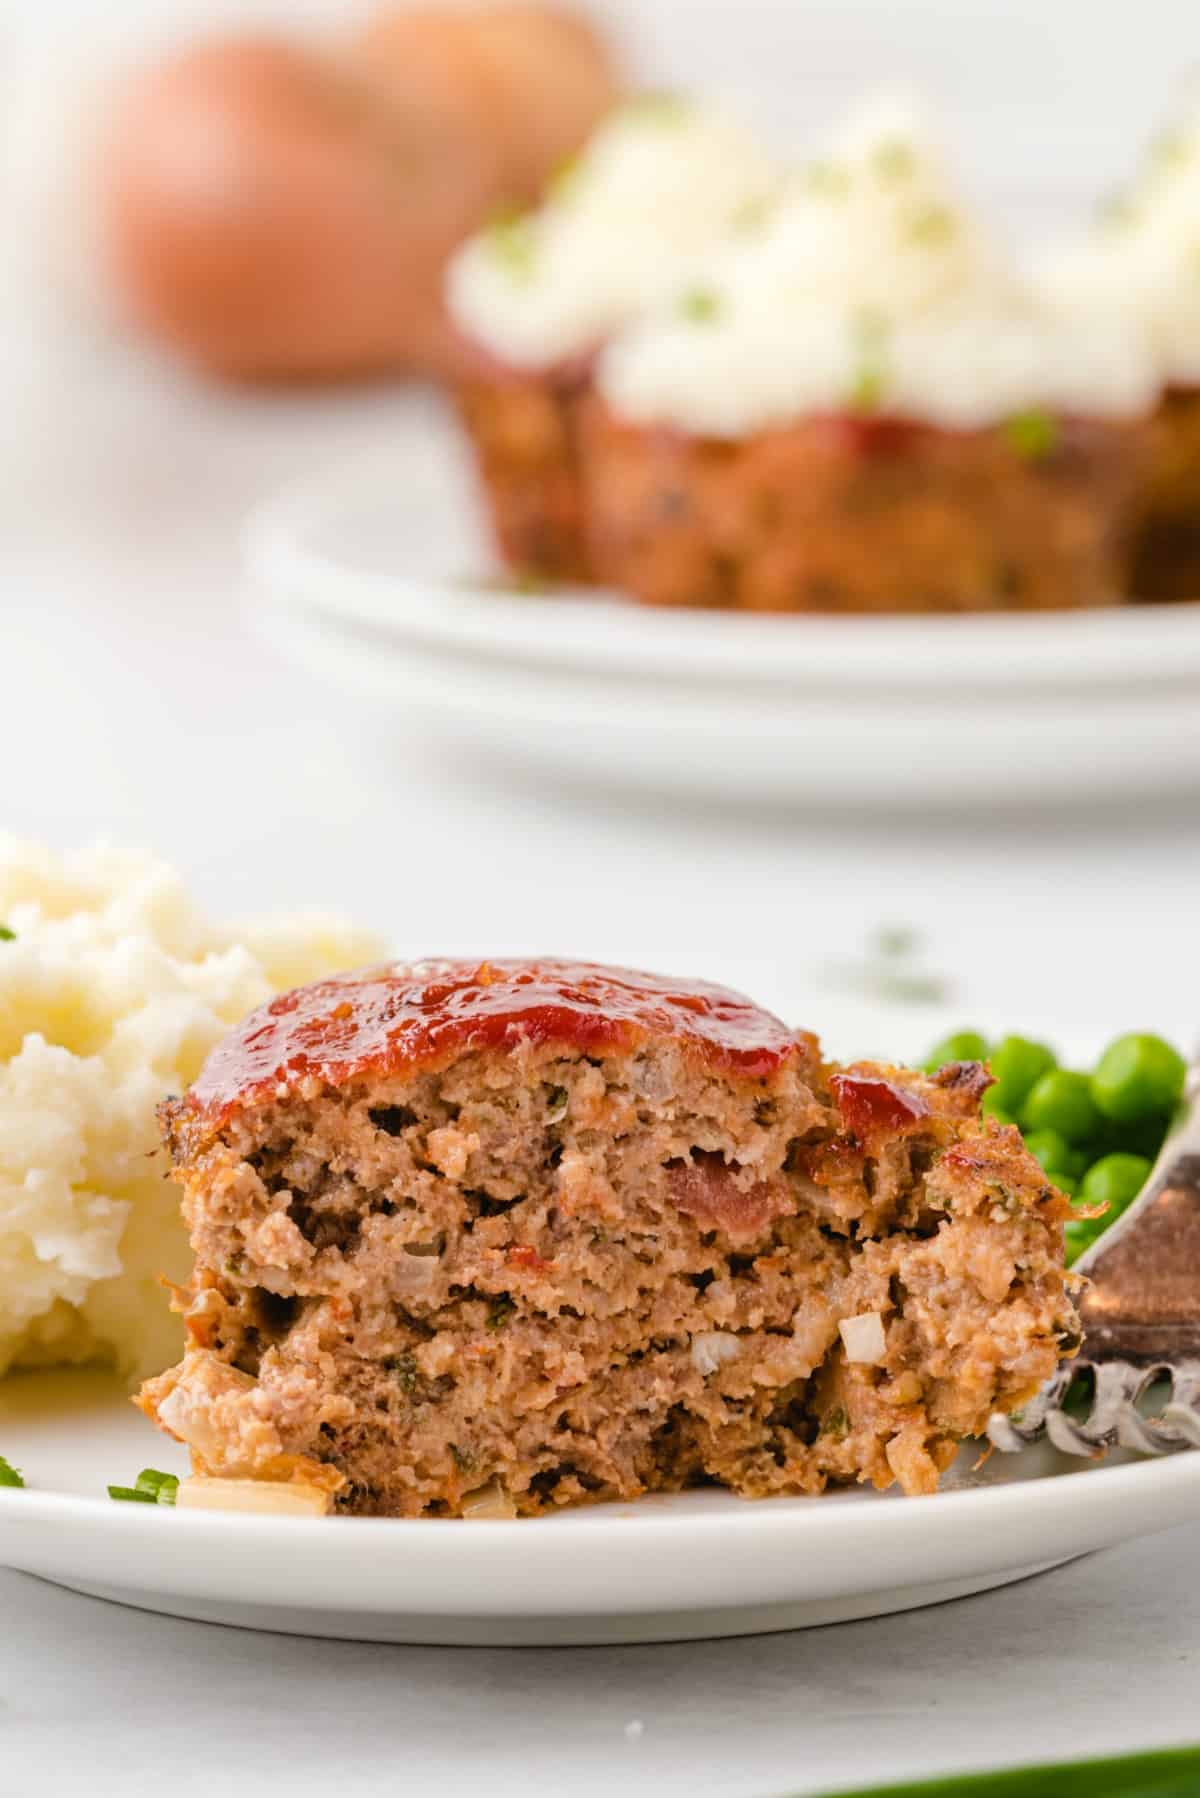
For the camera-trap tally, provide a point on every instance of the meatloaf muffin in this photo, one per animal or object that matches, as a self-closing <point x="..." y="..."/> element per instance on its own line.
<point x="539" y="293"/>
<point x="1142" y="262"/>
<point x="862" y="409"/>
<point x="491" y="1238"/>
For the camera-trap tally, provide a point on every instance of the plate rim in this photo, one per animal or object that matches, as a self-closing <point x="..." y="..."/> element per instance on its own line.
<point x="1033" y="651"/>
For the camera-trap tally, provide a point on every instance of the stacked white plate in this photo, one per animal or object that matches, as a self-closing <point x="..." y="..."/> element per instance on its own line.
<point x="380" y="576"/>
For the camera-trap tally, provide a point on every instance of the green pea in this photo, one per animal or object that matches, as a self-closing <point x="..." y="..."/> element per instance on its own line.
<point x="1115" y="1181"/>
<point x="1017" y="1064"/>
<point x="1062" y="1101"/>
<point x="963" y="1045"/>
<point x="1137" y="1077"/>
<point x="992" y="1108"/>
<point x="1049" y="1149"/>
<point x="1078" y="1235"/>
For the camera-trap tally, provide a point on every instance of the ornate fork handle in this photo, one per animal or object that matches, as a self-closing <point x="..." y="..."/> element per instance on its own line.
<point x="1141" y="1318"/>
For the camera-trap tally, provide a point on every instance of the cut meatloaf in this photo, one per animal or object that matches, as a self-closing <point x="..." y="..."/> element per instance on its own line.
<point x="524" y="429"/>
<point x="490" y="1238"/>
<point x="853" y="513"/>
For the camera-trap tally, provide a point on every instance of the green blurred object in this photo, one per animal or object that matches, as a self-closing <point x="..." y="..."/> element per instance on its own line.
<point x="964" y="1045"/>
<point x="1017" y="1064"/>
<point x="1050" y="1150"/>
<point x="1062" y="1101"/>
<point x="1115" y="1181"/>
<point x="1138" y="1076"/>
<point x="1170" y="1773"/>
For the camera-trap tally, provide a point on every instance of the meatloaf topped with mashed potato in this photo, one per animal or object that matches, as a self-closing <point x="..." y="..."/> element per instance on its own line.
<point x="486" y="1238"/>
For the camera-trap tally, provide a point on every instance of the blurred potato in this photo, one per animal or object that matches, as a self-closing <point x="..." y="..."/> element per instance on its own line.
<point x="276" y="211"/>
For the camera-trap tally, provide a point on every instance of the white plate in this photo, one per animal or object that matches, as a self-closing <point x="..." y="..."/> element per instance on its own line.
<point x="701" y="1564"/>
<point x="379" y="577"/>
<point x="694" y="1565"/>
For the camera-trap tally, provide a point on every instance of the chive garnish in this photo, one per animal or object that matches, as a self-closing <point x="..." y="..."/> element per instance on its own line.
<point x="894" y="159"/>
<point x="866" y="389"/>
<point x="701" y="305"/>
<point x="7" y="935"/>
<point x="9" y="1475"/>
<point x="152" y="1488"/>
<point x="932" y="225"/>
<point x="500" y="1312"/>
<point x="1033" y="434"/>
<point x="513" y="243"/>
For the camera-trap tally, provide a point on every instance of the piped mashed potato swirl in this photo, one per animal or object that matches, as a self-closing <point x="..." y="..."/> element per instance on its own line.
<point x="868" y="287"/>
<point x="662" y="179"/>
<point x="1142" y="260"/>
<point x="113" y="988"/>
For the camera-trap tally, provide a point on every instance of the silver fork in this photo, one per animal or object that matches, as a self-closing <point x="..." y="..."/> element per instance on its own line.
<point x="1141" y="1319"/>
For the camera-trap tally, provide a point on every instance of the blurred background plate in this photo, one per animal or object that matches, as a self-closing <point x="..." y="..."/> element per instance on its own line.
<point x="379" y="576"/>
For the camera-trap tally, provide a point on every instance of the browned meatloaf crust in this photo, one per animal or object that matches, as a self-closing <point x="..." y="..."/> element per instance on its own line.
<point x="523" y="428"/>
<point x="514" y="1235"/>
<point x="1167" y="547"/>
<point x="858" y="514"/>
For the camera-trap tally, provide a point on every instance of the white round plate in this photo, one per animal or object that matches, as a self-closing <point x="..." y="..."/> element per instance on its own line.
<point x="380" y="576"/>
<point x="693" y="1565"/>
<point x="697" y="1565"/>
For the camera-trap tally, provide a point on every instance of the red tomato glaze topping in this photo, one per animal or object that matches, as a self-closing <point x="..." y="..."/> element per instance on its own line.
<point x="407" y="1017"/>
<point x="872" y="1107"/>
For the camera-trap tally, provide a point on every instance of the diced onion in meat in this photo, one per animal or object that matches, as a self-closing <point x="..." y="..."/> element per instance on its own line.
<point x="863" y="1338"/>
<point x="490" y="1501"/>
<point x="293" y="1498"/>
<point x="711" y="1348"/>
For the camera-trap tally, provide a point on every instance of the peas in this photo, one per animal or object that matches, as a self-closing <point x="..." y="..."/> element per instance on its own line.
<point x="964" y="1045"/>
<point x="1079" y="1234"/>
<point x="1138" y="1076"/>
<point x="1062" y="1101"/>
<point x="1115" y="1181"/>
<point x="1017" y="1065"/>
<point x="1096" y="1136"/>
<point x="1048" y="1148"/>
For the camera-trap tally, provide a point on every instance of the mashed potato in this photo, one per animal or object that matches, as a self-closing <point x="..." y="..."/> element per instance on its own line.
<point x="113" y="987"/>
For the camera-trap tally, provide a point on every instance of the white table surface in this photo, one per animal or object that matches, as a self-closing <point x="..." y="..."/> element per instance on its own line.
<point x="137" y="704"/>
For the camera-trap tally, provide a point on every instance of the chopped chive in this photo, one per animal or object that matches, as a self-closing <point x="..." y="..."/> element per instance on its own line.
<point x="9" y="1475"/>
<point x="866" y="389"/>
<point x="837" y="1423"/>
<point x="894" y="159"/>
<point x="7" y="935"/>
<point x="556" y="1100"/>
<point x="152" y="1488"/>
<point x="932" y="225"/>
<point x="1033" y="434"/>
<point x="513" y="243"/>
<point x="701" y="305"/>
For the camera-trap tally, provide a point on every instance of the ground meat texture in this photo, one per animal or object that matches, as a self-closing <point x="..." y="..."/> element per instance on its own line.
<point x="524" y="431"/>
<point x="531" y="1234"/>
<point x="1166" y="563"/>
<point x="858" y="514"/>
